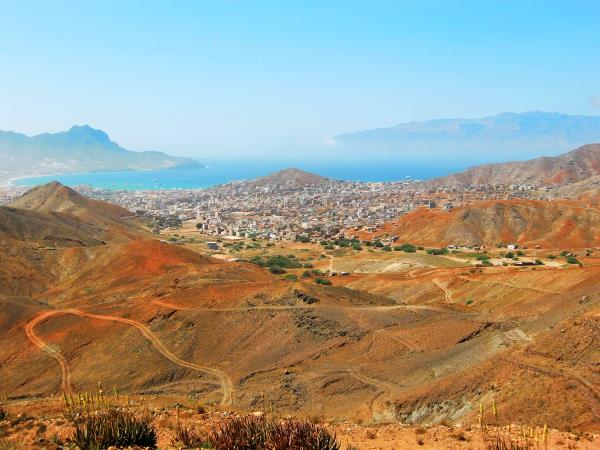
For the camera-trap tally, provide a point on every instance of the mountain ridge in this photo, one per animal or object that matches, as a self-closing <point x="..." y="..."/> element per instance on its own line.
<point x="572" y="167"/>
<point x="563" y="224"/>
<point x="81" y="148"/>
<point x="506" y="134"/>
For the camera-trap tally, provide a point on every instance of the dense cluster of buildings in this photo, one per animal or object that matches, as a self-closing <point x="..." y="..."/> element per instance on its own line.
<point x="291" y="211"/>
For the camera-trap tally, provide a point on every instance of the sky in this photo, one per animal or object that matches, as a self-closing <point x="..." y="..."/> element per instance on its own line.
<point x="231" y="78"/>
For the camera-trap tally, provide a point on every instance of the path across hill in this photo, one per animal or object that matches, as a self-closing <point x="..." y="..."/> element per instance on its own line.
<point x="225" y="381"/>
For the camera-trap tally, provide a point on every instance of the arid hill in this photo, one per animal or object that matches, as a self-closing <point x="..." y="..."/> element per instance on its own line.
<point x="571" y="167"/>
<point x="57" y="198"/>
<point x="50" y="228"/>
<point x="554" y="224"/>
<point x="291" y="177"/>
<point x="161" y="320"/>
<point x="48" y="222"/>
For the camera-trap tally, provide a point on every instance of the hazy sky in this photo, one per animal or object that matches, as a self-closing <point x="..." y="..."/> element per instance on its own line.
<point x="240" y="77"/>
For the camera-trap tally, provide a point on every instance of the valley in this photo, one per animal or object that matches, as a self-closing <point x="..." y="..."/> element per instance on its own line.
<point x="365" y="329"/>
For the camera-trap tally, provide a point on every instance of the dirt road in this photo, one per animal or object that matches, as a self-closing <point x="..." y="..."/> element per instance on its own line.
<point x="443" y="287"/>
<point x="225" y="381"/>
<point x="65" y="373"/>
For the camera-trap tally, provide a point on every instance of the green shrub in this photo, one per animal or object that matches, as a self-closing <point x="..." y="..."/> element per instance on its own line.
<point x="387" y="248"/>
<point x="113" y="428"/>
<point x="259" y="261"/>
<point x="437" y="251"/>
<point x="291" y="277"/>
<point x="378" y="244"/>
<point x="509" y="255"/>
<point x="520" y="253"/>
<point x="572" y="260"/>
<point x="406" y="248"/>
<point x="482" y="257"/>
<point x="323" y="281"/>
<point x="3" y="413"/>
<point x="284" y="261"/>
<point x="307" y="274"/>
<point x="307" y="265"/>
<point x="356" y="247"/>
<point x="469" y="301"/>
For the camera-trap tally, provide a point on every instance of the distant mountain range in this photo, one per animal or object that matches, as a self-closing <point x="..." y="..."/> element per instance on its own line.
<point x="576" y="166"/>
<point x="81" y="149"/>
<point x="507" y="135"/>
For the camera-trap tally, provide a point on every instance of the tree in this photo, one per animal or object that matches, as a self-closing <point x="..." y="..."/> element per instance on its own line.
<point x="407" y="248"/>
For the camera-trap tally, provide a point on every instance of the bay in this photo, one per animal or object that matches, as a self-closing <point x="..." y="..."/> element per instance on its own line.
<point x="224" y="171"/>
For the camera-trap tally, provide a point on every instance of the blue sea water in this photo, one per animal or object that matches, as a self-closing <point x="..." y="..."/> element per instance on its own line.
<point x="219" y="172"/>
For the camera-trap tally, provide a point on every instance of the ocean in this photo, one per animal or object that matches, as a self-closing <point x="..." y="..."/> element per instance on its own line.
<point x="220" y="172"/>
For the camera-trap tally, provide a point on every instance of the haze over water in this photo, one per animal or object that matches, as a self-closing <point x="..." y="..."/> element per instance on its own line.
<point x="219" y="172"/>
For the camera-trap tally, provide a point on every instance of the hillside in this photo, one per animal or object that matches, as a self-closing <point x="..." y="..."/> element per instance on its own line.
<point x="507" y="135"/>
<point x="291" y="178"/>
<point x="57" y="198"/>
<point x="49" y="221"/>
<point x="556" y="224"/>
<point x="49" y="228"/>
<point x="575" y="166"/>
<point x="170" y="324"/>
<point x="81" y="149"/>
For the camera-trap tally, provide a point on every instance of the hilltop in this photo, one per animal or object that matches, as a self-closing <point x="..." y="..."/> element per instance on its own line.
<point x="509" y="135"/>
<point x="577" y="165"/>
<point x="80" y="149"/>
<point x="291" y="177"/>
<point x="555" y="224"/>
<point x="54" y="197"/>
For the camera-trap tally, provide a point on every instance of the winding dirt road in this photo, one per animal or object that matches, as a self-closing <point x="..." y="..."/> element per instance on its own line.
<point x="443" y="287"/>
<point x="65" y="373"/>
<point x="225" y="381"/>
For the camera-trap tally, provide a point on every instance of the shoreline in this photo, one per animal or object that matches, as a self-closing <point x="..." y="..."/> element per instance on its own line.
<point x="192" y="179"/>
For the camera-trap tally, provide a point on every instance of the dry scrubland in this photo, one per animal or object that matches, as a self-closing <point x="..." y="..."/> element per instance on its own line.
<point x="404" y="349"/>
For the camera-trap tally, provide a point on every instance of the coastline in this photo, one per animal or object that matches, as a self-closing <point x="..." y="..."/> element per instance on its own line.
<point x="223" y="172"/>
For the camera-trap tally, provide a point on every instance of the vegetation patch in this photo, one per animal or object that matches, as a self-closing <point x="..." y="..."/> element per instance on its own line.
<point x="407" y="248"/>
<point x="250" y="432"/>
<point x="114" y="427"/>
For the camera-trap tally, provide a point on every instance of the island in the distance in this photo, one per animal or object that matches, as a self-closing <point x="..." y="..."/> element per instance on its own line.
<point x="81" y="149"/>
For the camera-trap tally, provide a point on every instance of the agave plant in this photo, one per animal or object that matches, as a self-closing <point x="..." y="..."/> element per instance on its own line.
<point x="100" y="430"/>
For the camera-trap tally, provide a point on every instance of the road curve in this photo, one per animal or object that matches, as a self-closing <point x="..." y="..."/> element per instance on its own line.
<point x="443" y="287"/>
<point x="65" y="372"/>
<point x="225" y="381"/>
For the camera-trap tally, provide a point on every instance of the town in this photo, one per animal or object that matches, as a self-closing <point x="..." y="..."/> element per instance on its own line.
<point x="308" y="211"/>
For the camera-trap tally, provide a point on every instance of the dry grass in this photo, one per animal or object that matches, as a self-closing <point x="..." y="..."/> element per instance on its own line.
<point x="191" y="437"/>
<point x="510" y="438"/>
<point x="250" y="433"/>
<point x="113" y="428"/>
